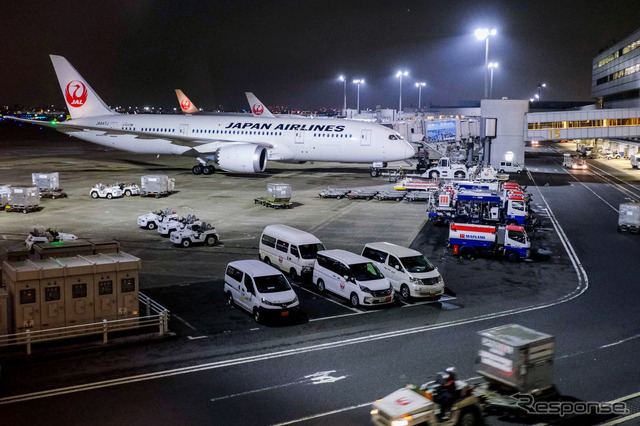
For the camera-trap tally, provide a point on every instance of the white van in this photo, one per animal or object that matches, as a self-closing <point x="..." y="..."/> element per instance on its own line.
<point x="290" y="249"/>
<point x="259" y="289"/>
<point x="635" y="161"/>
<point x="409" y="271"/>
<point x="351" y="276"/>
<point x="510" y="167"/>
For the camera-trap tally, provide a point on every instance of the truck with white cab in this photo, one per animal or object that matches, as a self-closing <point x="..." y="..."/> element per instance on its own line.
<point x="445" y="169"/>
<point x="469" y="240"/>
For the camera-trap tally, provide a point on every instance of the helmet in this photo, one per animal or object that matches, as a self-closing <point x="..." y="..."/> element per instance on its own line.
<point x="451" y="370"/>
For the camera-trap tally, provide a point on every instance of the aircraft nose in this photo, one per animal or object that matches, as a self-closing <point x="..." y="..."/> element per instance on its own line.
<point x="409" y="150"/>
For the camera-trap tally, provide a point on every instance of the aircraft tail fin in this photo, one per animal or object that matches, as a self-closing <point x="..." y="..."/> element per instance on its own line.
<point x="258" y="109"/>
<point x="81" y="99"/>
<point x="186" y="105"/>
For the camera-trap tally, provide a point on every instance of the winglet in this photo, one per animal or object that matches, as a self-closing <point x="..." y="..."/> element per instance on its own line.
<point x="186" y="105"/>
<point x="81" y="99"/>
<point x="257" y="108"/>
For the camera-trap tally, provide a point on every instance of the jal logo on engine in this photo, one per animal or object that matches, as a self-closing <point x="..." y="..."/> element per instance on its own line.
<point x="185" y="104"/>
<point x="258" y="109"/>
<point x="76" y="93"/>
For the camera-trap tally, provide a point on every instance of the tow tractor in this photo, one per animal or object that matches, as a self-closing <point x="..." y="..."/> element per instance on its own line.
<point x="196" y="234"/>
<point x="167" y="227"/>
<point x="106" y="191"/>
<point x="515" y="367"/>
<point x="152" y="220"/>
<point x="129" y="189"/>
<point x="48" y="236"/>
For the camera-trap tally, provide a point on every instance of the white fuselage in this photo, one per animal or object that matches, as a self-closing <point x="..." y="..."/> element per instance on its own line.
<point x="285" y="139"/>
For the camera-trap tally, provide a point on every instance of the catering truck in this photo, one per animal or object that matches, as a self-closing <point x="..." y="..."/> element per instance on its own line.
<point x="629" y="217"/>
<point x="514" y="365"/>
<point x="469" y="240"/>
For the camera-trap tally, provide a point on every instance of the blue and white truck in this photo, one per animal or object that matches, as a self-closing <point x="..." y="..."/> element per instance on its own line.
<point x="469" y="240"/>
<point x="481" y="207"/>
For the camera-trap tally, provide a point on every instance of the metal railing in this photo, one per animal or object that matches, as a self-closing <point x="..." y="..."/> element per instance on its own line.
<point x="160" y="319"/>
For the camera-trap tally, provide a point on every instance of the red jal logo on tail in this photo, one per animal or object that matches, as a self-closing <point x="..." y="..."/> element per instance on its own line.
<point x="76" y="93"/>
<point x="185" y="104"/>
<point x="258" y="109"/>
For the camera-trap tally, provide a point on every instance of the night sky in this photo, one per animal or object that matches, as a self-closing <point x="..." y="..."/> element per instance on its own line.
<point x="290" y="53"/>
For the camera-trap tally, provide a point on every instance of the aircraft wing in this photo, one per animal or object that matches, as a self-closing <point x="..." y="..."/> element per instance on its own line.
<point x="202" y="146"/>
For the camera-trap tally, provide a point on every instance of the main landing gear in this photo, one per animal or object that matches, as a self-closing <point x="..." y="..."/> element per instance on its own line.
<point x="200" y="169"/>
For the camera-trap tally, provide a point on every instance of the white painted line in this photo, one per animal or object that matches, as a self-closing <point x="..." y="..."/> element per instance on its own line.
<point x="184" y="322"/>
<point x="196" y="337"/>
<point x="430" y="302"/>
<point x="621" y="420"/>
<point x="315" y="416"/>
<point x="341" y="316"/>
<point x="625" y="398"/>
<point x="258" y="390"/>
<point x="330" y="300"/>
<point x="619" y="341"/>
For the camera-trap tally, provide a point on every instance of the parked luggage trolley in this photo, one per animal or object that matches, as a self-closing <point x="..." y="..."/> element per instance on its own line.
<point x="24" y="200"/>
<point x="278" y="196"/>
<point x="334" y="193"/>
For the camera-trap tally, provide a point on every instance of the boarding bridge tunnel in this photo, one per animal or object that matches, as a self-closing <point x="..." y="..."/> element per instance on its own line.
<point x="619" y="125"/>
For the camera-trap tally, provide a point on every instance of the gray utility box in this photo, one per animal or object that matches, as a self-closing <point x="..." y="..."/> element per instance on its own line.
<point x="278" y="192"/>
<point x="629" y="217"/>
<point x="46" y="180"/>
<point x="156" y="185"/>
<point x="517" y="357"/>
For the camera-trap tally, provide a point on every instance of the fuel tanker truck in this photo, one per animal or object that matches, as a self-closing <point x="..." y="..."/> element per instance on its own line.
<point x="510" y="241"/>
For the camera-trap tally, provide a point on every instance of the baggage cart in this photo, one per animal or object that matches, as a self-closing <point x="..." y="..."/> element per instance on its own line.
<point x="156" y="186"/>
<point x="391" y="195"/>
<point x="334" y="193"/>
<point x="24" y="199"/>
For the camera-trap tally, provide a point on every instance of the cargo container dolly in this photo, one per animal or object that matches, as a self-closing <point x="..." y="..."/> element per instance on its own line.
<point x="337" y="193"/>
<point x="24" y="200"/>
<point x="278" y="196"/>
<point x="391" y="195"/>
<point x="514" y="365"/>
<point x="362" y="194"/>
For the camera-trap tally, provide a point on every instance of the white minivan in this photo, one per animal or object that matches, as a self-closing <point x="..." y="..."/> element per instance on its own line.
<point x="259" y="289"/>
<point x="290" y="249"/>
<point x="409" y="271"/>
<point x="510" y="167"/>
<point x="352" y="277"/>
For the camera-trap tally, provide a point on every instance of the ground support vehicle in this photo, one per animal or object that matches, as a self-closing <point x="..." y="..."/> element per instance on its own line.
<point x="48" y="236"/>
<point x="156" y="186"/>
<point x="24" y="200"/>
<point x="52" y="193"/>
<point x="362" y="194"/>
<point x="629" y="217"/>
<point x="334" y="193"/>
<point x="410" y="184"/>
<point x="445" y="169"/>
<point x="417" y="196"/>
<point x="573" y="161"/>
<point x="265" y="201"/>
<point x="635" y="161"/>
<point x="152" y="220"/>
<point x="469" y="240"/>
<point x="106" y="191"/>
<point x="510" y="167"/>
<point x="513" y="362"/>
<point x="391" y="195"/>
<point x="583" y="149"/>
<point x="129" y="189"/>
<point x="196" y="234"/>
<point x="175" y="224"/>
<point x="278" y="196"/>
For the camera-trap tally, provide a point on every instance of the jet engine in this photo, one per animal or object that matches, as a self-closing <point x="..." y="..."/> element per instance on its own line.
<point x="244" y="158"/>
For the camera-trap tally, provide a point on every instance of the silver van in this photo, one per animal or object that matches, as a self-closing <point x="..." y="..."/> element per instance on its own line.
<point x="409" y="271"/>
<point x="259" y="289"/>
<point x="290" y="249"/>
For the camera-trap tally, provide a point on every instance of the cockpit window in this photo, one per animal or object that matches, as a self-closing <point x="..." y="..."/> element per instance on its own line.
<point x="395" y="137"/>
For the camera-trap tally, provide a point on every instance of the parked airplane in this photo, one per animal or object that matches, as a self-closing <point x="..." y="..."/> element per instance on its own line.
<point x="258" y="109"/>
<point x="240" y="144"/>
